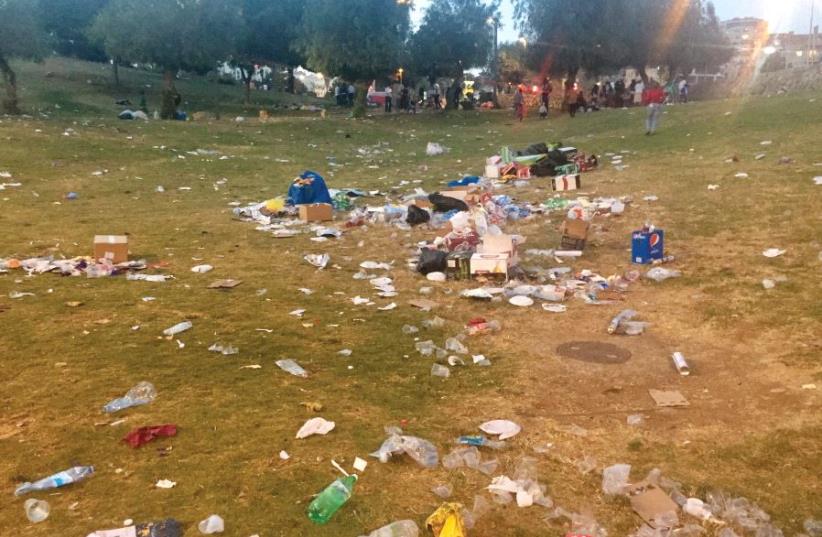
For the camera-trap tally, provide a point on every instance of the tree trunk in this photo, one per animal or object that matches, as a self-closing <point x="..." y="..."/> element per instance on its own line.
<point x="360" y="100"/>
<point x="643" y="75"/>
<point x="116" y="67"/>
<point x="170" y="96"/>
<point x="289" y="85"/>
<point x="9" y="104"/>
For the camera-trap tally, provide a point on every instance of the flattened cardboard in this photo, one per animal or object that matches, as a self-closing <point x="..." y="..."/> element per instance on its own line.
<point x="668" y="398"/>
<point x="224" y="284"/>
<point x="113" y="248"/>
<point x="651" y="503"/>
<point x="423" y="303"/>
<point x="316" y="212"/>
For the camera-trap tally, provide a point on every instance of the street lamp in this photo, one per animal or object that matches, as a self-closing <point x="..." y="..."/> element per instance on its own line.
<point x="401" y="71"/>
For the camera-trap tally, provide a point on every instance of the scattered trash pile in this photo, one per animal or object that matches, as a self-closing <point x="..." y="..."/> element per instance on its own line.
<point x="473" y="247"/>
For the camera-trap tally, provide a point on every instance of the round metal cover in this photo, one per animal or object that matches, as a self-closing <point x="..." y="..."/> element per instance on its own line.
<point x="594" y="352"/>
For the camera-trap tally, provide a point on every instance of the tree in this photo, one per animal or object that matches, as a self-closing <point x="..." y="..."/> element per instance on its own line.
<point x="21" y="36"/>
<point x="360" y="40"/>
<point x="272" y="30"/>
<point x="66" y="22"/>
<point x="512" y="63"/>
<point x="565" y="36"/>
<point x="180" y="34"/>
<point x="454" y="36"/>
<point x="569" y="35"/>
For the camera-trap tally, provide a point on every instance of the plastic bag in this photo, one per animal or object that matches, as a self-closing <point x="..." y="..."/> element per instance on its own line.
<point x="443" y="204"/>
<point x="615" y="478"/>
<point x="431" y="261"/>
<point x="417" y="216"/>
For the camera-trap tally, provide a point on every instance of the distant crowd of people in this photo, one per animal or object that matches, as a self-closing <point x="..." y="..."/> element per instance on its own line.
<point x="612" y="94"/>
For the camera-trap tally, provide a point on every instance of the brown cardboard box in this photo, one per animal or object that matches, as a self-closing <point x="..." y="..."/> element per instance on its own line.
<point x="574" y="234"/>
<point x="317" y="212"/>
<point x="575" y="229"/>
<point x="113" y="248"/>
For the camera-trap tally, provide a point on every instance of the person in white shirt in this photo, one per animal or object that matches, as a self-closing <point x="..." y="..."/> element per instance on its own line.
<point x="389" y="101"/>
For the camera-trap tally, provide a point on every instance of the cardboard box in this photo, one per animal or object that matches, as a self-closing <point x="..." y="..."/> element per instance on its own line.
<point x="317" y="212"/>
<point x="113" y="248"/>
<point x="566" y="182"/>
<point x="574" y="234"/>
<point x="492" y="171"/>
<point x="490" y="264"/>
<point x="646" y="246"/>
<point x="458" y="265"/>
<point x="463" y="188"/>
<point x="497" y="244"/>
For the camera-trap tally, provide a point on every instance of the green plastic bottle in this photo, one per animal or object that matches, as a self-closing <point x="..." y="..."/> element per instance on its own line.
<point x="331" y="499"/>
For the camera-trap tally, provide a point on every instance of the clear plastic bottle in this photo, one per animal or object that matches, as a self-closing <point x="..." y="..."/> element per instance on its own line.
<point x="400" y="528"/>
<point x="36" y="510"/>
<point x="66" y="477"/>
<point x="331" y="499"/>
<point x="177" y="328"/>
<point x="141" y="394"/>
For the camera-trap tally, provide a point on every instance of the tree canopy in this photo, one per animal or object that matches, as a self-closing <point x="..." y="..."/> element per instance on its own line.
<point x="454" y="35"/>
<point x="66" y="22"/>
<point x="183" y="34"/>
<point x="568" y="35"/>
<point x="22" y="36"/>
<point x="357" y="39"/>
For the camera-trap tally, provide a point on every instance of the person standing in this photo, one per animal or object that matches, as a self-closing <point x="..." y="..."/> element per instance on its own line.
<point x="519" y="104"/>
<point x="683" y="90"/>
<point x="639" y="90"/>
<point x="435" y="93"/>
<point x="653" y="97"/>
<point x="547" y="88"/>
<point x="352" y="91"/>
<point x="389" y="101"/>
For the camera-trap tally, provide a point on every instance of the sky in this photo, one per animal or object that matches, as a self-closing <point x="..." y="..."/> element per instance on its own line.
<point x="783" y="15"/>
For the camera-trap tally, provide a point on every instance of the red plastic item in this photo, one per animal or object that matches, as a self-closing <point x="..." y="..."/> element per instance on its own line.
<point x="144" y="435"/>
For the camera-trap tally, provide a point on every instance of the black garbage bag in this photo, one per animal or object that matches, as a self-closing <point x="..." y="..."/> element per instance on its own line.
<point x="432" y="261"/>
<point x="546" y="167"/>
<point x="534" y="149"/>
<point x="417" y="216"/>
<point x="443" y="204"/>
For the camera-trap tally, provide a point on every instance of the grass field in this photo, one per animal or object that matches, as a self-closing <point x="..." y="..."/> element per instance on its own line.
<point x="751" y="428"/>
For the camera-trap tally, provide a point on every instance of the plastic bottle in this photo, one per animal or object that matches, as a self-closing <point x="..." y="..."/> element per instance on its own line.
<point x="331" y="499"/>
<point x="400" y="528"/>
<point x="54" y="481"/>
<point x="36" y="510"/>
<point x="141" y="394"/>
<point x="623" y="316"/>
<point x="177" y="328"/>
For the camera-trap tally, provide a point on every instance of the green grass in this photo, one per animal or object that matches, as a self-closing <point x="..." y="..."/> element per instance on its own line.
<point x="750" y="430"/>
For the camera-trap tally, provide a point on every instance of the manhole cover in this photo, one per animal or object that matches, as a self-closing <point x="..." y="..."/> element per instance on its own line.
<point x="594" y="352"/>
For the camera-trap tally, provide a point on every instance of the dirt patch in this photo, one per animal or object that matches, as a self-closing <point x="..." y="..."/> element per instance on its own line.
<point x="594" y="352"/>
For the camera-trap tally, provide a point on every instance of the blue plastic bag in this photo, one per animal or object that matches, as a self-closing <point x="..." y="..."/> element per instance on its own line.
<point x="309" y="188"/>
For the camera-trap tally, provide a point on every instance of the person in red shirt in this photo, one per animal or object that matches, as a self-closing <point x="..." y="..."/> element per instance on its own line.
<point x="653" y="97"/>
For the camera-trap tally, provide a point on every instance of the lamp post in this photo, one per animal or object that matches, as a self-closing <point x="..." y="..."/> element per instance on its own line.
<point x="495" y="22"/>
<point x="401" y="71"/>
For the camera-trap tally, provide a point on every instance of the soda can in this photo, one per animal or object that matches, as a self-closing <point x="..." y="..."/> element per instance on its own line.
<point x="680" y="364"/>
